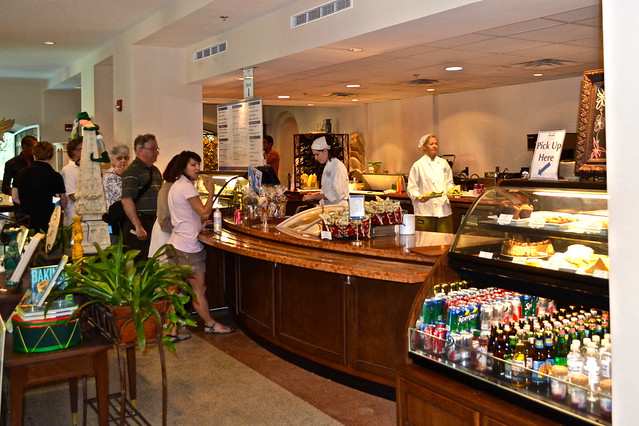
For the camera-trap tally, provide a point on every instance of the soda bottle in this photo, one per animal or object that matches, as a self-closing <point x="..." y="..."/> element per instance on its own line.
<point x="539" y="381"/>
<point x="499" y="351"/>
<point x="561" y="349"/>
<point x="591" y="369"/>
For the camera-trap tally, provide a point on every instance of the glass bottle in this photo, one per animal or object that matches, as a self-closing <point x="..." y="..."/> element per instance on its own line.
<point x="606" y="362"/>
<point x="499" y="351"/>
<point x="591" y="369"/>
<point x="561" y="349"/>
<point x="519" y="364"/>
<point x="539" y="381"/>
<point x="575" y="360"/>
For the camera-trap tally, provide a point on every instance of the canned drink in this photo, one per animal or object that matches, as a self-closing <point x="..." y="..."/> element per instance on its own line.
<point x="427" y="311"/>
<point x="516" y="303"/>
<point x="465" y="347"/>
<point x="238" y="217"/>
<point x="439" y="309"/>
<point x="498" y="311"/>
<point x="452" y="324"/>
<point x="527" y="305"/>
<point x="506" y="312"/>
<point x="542" y="306"/>
<point x="485" y="316"/>
<point x="429" y="333"/>
<point x="469" y="317"/>
<point x="453" y="347"/>
<point x="438" y="342"/>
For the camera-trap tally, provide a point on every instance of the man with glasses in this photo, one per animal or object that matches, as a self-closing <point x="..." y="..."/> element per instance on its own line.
<point x="141" y="182"/>
<point x="71" y="175"/>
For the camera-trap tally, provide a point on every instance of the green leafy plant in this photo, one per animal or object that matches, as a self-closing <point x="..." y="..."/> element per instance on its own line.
<point x="113" y="277"/>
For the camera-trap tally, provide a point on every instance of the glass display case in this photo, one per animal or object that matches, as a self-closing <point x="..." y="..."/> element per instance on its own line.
<point x="225" y="185"/>
<point x="529" y="321"/>
<point x="549" y="241"/>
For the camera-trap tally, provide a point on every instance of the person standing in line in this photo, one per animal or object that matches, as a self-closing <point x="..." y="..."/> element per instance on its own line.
<point x="71" y="175"/>
<point x="187" y="216"/>
<point x="162" y="227"/>
<point x="36" y="185"/>
<point x="271" y="156"/>
<point x="141" y="182"/>
<point x="334" y="178"/>
<point x="112" y="179"/>
<point x="431" y="174"/>
<point x="13" y="166"/>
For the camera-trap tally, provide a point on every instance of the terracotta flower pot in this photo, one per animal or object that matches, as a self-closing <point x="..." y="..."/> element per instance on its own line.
<point x="124" y="323"/>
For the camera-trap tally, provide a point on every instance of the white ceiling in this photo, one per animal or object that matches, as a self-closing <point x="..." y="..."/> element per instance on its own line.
<point x="390" y="59"/>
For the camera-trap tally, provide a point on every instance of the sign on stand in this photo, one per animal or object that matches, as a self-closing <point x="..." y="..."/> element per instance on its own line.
<point x="545" y="162"/>
<point x="239" y="127"/>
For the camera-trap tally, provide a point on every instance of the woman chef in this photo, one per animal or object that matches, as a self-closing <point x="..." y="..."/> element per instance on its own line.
<point x="334" y="178"/>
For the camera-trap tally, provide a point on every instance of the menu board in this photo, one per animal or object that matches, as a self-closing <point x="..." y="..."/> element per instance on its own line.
<point x="239" y="129"/>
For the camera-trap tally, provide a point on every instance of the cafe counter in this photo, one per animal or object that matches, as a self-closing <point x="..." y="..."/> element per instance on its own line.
<point x="337" y="304"/>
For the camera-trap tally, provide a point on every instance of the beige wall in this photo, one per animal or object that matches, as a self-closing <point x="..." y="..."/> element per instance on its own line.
<point x="60" y="108"/>
<point x="483" y="128"/>
<point x="22" y="100"/>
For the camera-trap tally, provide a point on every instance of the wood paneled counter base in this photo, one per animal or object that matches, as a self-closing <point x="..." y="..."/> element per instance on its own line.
<point x="342" y="306"/>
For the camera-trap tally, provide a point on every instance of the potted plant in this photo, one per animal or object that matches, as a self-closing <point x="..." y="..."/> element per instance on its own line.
<point x="151" y="293"/>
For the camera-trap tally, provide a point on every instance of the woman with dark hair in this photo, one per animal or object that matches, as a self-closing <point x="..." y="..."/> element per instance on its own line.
<point x="187" y="215"/>
<point x="334" y="178"/>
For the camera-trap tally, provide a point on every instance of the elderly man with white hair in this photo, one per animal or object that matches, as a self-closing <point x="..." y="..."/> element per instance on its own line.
<point x="334" y="178"/>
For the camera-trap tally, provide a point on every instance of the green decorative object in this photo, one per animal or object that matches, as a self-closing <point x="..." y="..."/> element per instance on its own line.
<point x="46" y="335"/>
<point x="11" y="255"/>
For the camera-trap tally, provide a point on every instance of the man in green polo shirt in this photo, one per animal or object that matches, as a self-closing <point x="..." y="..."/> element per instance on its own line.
<point x="141" y="182"/>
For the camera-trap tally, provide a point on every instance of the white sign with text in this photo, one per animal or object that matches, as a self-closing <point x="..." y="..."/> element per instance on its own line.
<point x="545" y="162"/>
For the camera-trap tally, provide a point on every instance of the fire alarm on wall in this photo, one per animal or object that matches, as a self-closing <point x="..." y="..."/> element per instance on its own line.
<point x="118" y="105"/>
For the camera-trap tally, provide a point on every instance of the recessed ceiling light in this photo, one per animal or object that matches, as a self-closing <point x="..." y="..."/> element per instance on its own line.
<point x="283" y="97"/>
<point x="456" y="68"/>
<point x="311" y="104"/>
<point x="49" y="42"/>
<point x="355" y="49"/>
<point x="78" y="87"/>
<point x="538" y="74"/>
<point x="354" y="100"/>
<point x="430" y="90"/>
<point x="353" y="85"/>
<point x="239" y="78"/>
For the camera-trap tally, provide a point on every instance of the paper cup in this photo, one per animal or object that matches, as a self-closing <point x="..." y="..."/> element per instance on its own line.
<point x="408" y="225"/>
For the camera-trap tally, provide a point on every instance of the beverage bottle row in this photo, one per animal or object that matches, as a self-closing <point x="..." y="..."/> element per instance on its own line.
<point x="561" y="353"/>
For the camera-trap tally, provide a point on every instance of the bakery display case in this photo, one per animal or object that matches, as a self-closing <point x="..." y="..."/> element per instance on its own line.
<point x="526" y="329"/>
<point x="547" y="240"/>
<point x="226" y="186"/>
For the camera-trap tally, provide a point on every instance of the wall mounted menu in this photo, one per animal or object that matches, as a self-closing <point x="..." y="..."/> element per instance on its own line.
<point x="239" y="127"/>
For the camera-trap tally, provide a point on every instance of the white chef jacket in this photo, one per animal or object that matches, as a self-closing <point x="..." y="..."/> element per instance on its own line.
<point x="428" y="176"/>
<point x="335" y="182"/>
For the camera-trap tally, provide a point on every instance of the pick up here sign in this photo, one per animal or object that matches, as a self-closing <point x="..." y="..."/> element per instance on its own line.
<point x="545" y="162"/>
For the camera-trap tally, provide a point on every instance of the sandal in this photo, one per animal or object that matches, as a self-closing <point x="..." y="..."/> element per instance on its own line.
<point x="210" y="329"/>
<point x="182" y="335"/>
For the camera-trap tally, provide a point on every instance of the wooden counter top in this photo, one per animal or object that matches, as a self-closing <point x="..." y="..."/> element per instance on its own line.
<point x="385" y="258"/>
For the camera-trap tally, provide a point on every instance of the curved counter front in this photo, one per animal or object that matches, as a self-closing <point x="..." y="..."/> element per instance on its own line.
<point x="334" y="303"/>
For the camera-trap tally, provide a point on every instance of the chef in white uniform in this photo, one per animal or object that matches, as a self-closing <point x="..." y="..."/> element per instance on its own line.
<point x="431" y="174"/>
<point x="334" y="178"/>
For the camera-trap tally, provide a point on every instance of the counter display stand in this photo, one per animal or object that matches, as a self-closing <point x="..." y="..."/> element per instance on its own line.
<point x="544" y="241"/>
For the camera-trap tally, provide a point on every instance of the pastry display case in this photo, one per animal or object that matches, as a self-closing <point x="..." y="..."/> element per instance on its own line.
<point x="528" y="322"/>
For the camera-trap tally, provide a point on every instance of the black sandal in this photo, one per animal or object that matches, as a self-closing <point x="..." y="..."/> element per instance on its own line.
<point x="210" y="329"/>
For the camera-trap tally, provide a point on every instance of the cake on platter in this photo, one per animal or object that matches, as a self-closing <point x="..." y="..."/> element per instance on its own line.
<point x="516" y="248"/>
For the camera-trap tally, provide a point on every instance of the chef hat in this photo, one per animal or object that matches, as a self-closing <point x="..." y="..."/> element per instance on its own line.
<point x="319" y="144"/>
<point x="424" y="139"/>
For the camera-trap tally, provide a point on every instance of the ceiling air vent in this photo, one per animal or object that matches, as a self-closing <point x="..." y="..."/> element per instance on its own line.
<point x="340" y="95"/>
<point x="421" y="82"/>
<point x="209" y="51"/>
<point x="319" y="12"/>
<point x="544" y="64"/>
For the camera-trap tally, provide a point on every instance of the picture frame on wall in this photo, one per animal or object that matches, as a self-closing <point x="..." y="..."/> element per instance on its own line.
<point x="590" y="153"/>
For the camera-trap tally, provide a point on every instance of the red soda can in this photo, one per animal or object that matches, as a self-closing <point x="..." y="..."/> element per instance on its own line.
<point x="438" y="343"/>
<point x="429" y="332"/>
<point x="238" y="217"/>
<point x="517" y="313"/>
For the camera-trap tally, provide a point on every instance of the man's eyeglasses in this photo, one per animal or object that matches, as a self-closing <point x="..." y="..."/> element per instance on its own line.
<point x="152" y="149"/>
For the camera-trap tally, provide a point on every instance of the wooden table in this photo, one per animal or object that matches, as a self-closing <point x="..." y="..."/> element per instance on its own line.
<point x="89" y="358"/>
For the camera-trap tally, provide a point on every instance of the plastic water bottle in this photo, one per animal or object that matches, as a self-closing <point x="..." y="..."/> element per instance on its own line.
<point x="217" y="221"/>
